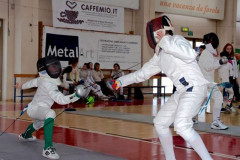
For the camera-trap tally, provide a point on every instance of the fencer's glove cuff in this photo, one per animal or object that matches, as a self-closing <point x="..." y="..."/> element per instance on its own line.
<point x="223" y="60"/>
<point x="116" y="85"/>
<point x="73" y="97"/>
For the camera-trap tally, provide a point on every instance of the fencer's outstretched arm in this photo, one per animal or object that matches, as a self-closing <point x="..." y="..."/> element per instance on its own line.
<point x="30" y="84"/>
<point x="55" y="94"/>
<point x="208" y="62"/>
<point x="178" y="47"/>
<point x="151" y="68"/>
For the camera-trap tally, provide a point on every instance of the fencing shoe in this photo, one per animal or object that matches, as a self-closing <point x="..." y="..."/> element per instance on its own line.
<point x="217" y="124"/>
<point x="50" y="153"/>
<point x="21" y="138"/>
<point x="228" y="109"/>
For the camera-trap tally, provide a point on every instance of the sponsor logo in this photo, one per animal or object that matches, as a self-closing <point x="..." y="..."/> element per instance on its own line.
<point x="70" y="16"/>
<point x="64" y="47"/>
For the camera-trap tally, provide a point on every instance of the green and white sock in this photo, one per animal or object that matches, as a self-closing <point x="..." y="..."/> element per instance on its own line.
<point x="28" y="132"/>
<point x="48" y="132"/>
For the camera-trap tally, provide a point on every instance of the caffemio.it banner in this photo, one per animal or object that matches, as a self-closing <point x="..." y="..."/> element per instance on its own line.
<point x="88" y="16"/>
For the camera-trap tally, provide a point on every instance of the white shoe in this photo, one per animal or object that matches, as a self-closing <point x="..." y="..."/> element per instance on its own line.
<point x="50" y="153"/>
<point x="21" y="138"/>
<point x="217" y="124"/>
<point x="228" y="109"/>
<point x="104" y="98"/>
<point x="195" y="121"/>
<point x="233" y="109"/>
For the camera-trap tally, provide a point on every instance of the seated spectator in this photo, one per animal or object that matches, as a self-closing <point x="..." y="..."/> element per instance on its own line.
<point x="99" y="79"/>
<point x="116" y="73"/>
<point x="74" y="75"/>
<point x="97" y="73"/>
<point x="67" y="82"/>
<point x="86" y="76"/>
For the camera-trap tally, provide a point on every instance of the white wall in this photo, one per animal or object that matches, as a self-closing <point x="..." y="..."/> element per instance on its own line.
<point x="238" y="10"/>
<point x="238" y="26"/>
<point x="8" y="48"/>
<point x="238" y="35"/>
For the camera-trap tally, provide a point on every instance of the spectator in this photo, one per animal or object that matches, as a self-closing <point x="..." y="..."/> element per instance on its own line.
<point x="99" y="79"/>
<point x="201" y="48"/>
<point x="74" y="75"/>
<point x="67" y="82"/>
<point x="72" y="78"/>
<point x="228" y="51"/>
<point x="86" y="76"/>
<point x="116" y="73"/>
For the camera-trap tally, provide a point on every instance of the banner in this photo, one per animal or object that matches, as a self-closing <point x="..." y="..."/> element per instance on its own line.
<point x="88" y="16"/>
<point x="212" y="9"/>
<point x="65" y="46"/>
<point x="104" y="48"/>
<point x="132" y="4"/>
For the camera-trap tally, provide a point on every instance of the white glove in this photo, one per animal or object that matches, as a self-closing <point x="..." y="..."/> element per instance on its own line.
<point x="73" y="97"/>
<point x="223" y="60"/>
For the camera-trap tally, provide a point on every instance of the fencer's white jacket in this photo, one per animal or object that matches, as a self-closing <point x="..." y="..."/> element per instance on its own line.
<point x="225" y="71"/>
<point x="208" y="64"/>
<point x="176" y="58"/>
<point x="235" y="68"/>
<point x="47" y="92"/>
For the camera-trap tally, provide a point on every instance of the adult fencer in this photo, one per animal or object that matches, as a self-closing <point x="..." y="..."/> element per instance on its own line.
<point x="176" y="58"/>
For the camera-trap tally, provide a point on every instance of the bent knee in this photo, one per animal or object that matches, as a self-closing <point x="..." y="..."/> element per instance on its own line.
<point x="51" y="114"/>
<point x="161" y="128"/>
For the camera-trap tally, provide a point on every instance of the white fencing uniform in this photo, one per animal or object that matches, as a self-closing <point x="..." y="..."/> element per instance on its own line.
<point x="177" y="60"/>
<point x="208" y="64"/>
<point x="40" y="107"/>
<point x="224" y="72"/>
<point x="89" y="83"/>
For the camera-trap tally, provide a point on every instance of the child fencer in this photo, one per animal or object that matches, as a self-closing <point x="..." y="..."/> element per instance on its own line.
<point x="208" y="63"/>
<point x="176" y="58"/>
<point x="224" y="72"/>
<point x="39" y="109"/>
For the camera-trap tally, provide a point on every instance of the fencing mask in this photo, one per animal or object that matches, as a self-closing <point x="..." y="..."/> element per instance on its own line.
<point x="53" y="67"/>
<point x="160" y="23"/>
<point x="211" y="38"/>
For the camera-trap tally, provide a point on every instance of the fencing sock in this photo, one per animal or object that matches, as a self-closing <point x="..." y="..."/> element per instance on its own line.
<point x="28" y="133"/>
<point x="216" y="113"/>
<point x="48" y="132"/>
<point x="196" y="142"/>
<point x="167" y="144"/>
